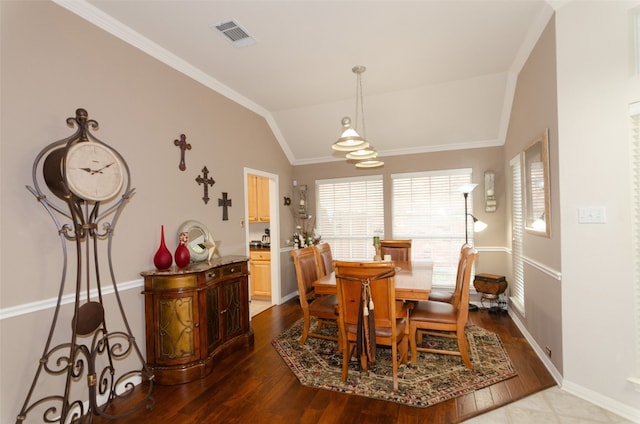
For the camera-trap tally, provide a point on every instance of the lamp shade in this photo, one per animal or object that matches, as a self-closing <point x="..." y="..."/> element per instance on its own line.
<point x="369" y="163"/>
<point x="349" y="140"/>
<point x="479" y="225"/>
<point x="360" y="154"/>
<point x="467" y="188"/>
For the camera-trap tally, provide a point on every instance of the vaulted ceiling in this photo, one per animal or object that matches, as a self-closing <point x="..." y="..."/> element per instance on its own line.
<point x="440" y="74"/>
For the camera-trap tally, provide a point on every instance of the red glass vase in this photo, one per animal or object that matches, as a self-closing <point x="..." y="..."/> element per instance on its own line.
<point x="162" y="259"/>
<point x="182" y="255"/>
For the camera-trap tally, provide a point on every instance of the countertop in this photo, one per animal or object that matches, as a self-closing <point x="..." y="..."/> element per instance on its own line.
<point x="197" y="266"/>
<point x="259" y="249"/>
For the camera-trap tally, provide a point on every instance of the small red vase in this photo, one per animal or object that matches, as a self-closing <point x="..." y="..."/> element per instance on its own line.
<point x="182" y="256"/>
<point x="162" y="259"/>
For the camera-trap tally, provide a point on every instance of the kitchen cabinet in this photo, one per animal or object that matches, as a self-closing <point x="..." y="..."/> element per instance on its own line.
<point x="260" y="274"/>
<point x="258" y="201"/>
<point x="194" y="316"/>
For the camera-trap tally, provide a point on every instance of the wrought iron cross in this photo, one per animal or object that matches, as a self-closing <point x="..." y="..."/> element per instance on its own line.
<point x="207" y="182"/>
<point x="182" y="143"/>
<point x="224" y="202"/>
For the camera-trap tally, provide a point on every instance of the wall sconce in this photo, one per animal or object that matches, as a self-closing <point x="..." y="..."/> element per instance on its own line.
<point x="491" y="203"/>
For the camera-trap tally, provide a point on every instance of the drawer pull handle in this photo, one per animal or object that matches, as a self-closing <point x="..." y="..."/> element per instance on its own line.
<point x="224" y="311"/>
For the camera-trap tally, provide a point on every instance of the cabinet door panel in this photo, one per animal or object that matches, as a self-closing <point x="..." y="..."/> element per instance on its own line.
<point x="177" y="329"/>
<point x="214" y="335"/>
<point x="232" y="310"/>
<point x="252" y="201"/>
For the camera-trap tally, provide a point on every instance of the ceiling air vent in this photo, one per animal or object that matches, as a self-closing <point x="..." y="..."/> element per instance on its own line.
<point x="236" y="35"/>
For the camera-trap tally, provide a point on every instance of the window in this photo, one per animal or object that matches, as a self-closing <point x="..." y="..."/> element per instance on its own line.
<point x="350" y="211"/>
<point x="428" y="208"/>
<point x="634" y="112"/>
<point x="517" y="285"/>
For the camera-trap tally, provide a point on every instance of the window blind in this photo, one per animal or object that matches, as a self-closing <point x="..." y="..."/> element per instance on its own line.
<point x="635" y="199"/>
<point x="517" y="285"/>
<point x="350" y="211"/>
<point x="428" y="208"/>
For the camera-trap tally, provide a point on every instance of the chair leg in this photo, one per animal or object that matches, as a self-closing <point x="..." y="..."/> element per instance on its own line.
<point x="412" y="341"/>
<point x="394" y="365"/>
<point x="346" y="356"/>
<point x="404" y="350"/>
<point x="305" y="327"/>
<point x="463" y="345"/>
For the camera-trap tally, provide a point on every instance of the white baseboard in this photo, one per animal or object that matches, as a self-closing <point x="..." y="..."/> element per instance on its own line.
<point x="618" y="408"/>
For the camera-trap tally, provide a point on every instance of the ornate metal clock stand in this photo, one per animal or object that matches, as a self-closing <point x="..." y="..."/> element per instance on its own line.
<point x="86" y="367"/>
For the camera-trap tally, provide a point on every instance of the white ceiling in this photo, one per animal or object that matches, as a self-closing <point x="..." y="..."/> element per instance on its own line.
<point x="440" y="74"/>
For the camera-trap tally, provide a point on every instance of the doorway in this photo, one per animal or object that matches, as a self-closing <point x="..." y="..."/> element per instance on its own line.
<point x="262" y="226"/>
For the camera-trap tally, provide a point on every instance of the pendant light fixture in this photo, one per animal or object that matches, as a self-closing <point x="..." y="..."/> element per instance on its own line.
<point x="350" y="141"/>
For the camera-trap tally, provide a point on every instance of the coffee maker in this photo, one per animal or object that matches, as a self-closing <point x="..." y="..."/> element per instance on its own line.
<point x="266" y="238"/>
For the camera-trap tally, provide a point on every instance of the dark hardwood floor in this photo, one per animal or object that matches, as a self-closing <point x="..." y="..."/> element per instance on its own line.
<point x="254" y="385"/>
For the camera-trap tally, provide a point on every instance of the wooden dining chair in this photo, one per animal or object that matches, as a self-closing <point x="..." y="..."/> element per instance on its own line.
<point x="354" y="281"/>
<point x="400" y="250"/>
<point x="324" y="258"/>
<point x="445" y="319"/>
<point x="321" y="307"/>
<point x="443" y="295"/>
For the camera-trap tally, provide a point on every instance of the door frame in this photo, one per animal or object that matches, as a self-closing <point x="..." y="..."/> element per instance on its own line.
<point x="274" y="226"/>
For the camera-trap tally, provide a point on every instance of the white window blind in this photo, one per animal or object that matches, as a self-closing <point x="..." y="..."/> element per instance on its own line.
<point x="517" y="285"/>
<point x="635" y="199"/>
<point x="428" y="208"/>
<point x="350" y="211"/>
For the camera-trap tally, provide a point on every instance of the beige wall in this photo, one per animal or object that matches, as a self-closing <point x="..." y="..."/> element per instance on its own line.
<point x="54" y="62"/>
<point x="534" y="109"/>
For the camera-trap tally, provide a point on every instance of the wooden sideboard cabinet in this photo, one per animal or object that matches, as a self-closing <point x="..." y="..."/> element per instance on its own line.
<point x="195" y="316"/>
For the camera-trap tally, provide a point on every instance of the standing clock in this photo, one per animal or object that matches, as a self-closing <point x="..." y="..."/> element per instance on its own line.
<point x="93" y="181"/>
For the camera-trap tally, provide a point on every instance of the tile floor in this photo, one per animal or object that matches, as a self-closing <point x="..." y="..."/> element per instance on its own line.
<point x="257" y="306"/>
<point x="549" y="406"/>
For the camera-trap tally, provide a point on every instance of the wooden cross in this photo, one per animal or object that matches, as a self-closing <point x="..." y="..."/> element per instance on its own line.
<point x="224" y="202"/>
<point x="182" y="143"/>
<point x="207" y="182"/>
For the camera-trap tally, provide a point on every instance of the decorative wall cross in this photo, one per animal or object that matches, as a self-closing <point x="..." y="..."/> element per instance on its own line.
<point x="224" y="202"/>
<point x="182" y="143"/>
<point x="207" y="182"/>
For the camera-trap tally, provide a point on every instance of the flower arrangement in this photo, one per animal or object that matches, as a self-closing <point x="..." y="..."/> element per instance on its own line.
<point x="304" y="238"/>
<point x="305" y="234"/>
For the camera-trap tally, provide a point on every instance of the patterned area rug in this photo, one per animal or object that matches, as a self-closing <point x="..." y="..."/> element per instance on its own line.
<point x="434" y="379"/>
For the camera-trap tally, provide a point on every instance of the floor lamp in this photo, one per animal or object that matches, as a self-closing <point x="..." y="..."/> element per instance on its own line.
<point x="477" y="224"/>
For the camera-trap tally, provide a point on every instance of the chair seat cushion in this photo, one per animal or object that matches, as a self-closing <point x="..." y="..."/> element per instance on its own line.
<point x="433" y="311"/>
<point x="441" y="296"/>
<point x="325" y="306"/>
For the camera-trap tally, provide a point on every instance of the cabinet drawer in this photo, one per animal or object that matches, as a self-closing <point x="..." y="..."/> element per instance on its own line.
<point x="225" y="271"/>
<point x="260" y="255"/>
<point x="174" y="282"/>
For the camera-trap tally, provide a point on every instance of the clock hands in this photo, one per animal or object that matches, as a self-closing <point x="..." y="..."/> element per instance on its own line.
<point x="99" y="171"/>
<point x="96" y="171"/>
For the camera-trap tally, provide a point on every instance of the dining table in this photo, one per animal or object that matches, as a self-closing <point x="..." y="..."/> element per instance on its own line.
<point x="412" y="281"/>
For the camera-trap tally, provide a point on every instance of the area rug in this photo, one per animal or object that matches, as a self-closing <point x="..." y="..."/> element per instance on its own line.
<point x="433" y="379"/>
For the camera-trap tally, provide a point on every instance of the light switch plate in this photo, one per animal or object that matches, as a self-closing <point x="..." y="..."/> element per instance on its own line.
<point x="592" y="215"/>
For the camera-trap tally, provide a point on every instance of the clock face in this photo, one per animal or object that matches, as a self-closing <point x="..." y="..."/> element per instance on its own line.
<point x="93" y="171"/>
